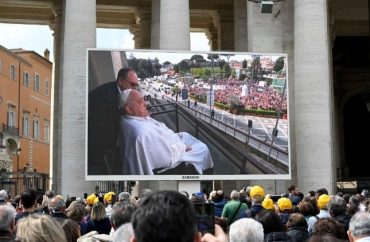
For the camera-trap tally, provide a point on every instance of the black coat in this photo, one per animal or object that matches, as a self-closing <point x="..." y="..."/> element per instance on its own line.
<point x="298" y="234"/>
<point x="278" y="237"/>
<point x="103" y="130"/>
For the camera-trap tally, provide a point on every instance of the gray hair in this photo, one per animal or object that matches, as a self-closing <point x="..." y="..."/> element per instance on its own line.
<point x="123" y="233"/>
<point x="57" y="204"/>
<point x="234" y="195"/>
<point x="246" y="229"/>
<point x="360" y="224"/>
<point x="7" y="216"/>
<point x="337" y="206"/>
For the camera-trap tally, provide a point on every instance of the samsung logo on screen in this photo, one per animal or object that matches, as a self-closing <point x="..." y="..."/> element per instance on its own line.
<point x="190" y="177"/>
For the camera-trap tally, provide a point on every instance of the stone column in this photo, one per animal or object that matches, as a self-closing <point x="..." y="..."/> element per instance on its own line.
<point x="155" y="28"/>
<point x="141" y="30"/>
<point x="226" y="36"/>
<point x="264" y="30"/>
<point x="313" y="86"/>
<point x="174" y="25"/>
<point x="55" y="167"/>
<point x="79" y="34"/>
<point x="240" y="25"/>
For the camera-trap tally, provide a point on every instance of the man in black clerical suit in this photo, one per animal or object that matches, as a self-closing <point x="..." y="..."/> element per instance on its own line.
<point x="103" y="124"/>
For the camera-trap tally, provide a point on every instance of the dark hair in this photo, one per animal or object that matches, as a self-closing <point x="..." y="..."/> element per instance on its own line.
<point x="337" y="206"/>
<point x="121" y="213"/>
<point x="122" y="74"/>
<point x="71" y="229"/>
<point x="270" y="221"/>
<point x="28" y="198"/>
<point x="321" y="191"/>
<point x="329" y="226"/>
<point x="306" y="208"/>
<point x="312" y="193"/>
<point x="292" y="188"/>
<point x="324" y="237"/>
<point x="296" y="219"/>
<point x="164" y="216"/>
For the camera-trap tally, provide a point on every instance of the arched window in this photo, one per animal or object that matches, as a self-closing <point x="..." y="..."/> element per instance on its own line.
<point x="25" y="79"/>
<point x="12" y="72"/>
<point x="36" y="85"/>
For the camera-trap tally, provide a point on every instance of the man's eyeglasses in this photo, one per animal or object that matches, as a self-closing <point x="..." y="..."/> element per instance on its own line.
<point x="134" y="85"/>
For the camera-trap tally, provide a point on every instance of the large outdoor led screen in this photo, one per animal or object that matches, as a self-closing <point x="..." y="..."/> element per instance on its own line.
<point x="212" y="115"/>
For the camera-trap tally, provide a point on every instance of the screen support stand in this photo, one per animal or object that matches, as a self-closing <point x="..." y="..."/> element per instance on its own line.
<point x="189" y="186"/>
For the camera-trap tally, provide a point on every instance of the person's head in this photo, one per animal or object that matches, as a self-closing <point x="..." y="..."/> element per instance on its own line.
<point x="306" y="208"/>
<point x="121" y="213"/>
<point x="234" y="195"/>
<point x="108" y="197"/>
<point x="329" y="226"/>
<point x="127" y="79"/>
<point x="365" y="193"/>
<point x="246" y="230"/>
<point x="28" y="198"/>
<point x="165" y="216"/>
<point x="359" y="226"/>
<point x="270" y="221"/>
<point x="123" y="233"/>
<point x="98" y="212"/>
<point x="132" y="103"/>
<point x="296" y="220"/>
<point x="76" y="211"/>
<point x="50" y="194"/>
<point x="293" y="189"/>
<point x="284" y="204"/>
<point x="126" y="197"/>
<point x="268" y="204"/>
<point x="29" y="229"/>
<point x="324" y="237"/>
<point x="90" y="200"/>
<point x="3" y="196"/>
<point x="322" y="202"/>
<point x="257" y="194"/>
<point x="320" y="192"/>
<point x="337" y="206"/>
<point x="71" y="229"/>
<point x="57" y="204"/>
<point x="7" y="218"/>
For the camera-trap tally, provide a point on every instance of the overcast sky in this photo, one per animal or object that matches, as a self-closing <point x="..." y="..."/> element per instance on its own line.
<point x="39" y="37"/>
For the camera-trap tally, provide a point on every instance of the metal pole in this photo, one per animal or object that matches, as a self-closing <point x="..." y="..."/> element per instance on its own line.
<point x="277" y="120"/>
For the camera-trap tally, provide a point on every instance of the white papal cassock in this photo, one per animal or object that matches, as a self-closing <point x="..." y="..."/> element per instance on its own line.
<point x="147" y="144"/>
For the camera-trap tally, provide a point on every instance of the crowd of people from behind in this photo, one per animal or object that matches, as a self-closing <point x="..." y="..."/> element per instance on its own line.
<point x="247" y="215"/>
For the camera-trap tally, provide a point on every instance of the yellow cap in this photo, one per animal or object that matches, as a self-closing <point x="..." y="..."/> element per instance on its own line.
<point x="90" y="199"/>
<point x="284" y="204"/>
<point x="257" y="191"/>
<point x="108" y="196"/>
<point x="268" y="204"/>
<point x="323" y="201"/>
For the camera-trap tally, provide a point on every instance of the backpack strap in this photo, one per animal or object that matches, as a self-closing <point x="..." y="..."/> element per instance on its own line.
<point x="235" y="213"/>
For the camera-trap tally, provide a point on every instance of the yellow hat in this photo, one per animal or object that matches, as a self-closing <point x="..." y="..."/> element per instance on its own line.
<point x="284" y="204"/>
<point x="323" y="201"/>
<point x="108" y="196"/>
<point x="257" y="191"/>
<point x="268" y="204"/>
<point x="90" y="199"/>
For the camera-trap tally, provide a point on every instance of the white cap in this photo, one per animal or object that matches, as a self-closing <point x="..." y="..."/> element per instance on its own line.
<point x="123" y="97"/>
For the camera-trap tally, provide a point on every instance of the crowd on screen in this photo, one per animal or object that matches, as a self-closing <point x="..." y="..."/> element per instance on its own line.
<point x="245" y="215"/>
<point x="255" y="97"/>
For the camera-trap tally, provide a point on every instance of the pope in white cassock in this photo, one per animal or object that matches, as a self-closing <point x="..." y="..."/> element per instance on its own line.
<point x="147" y="144"/>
